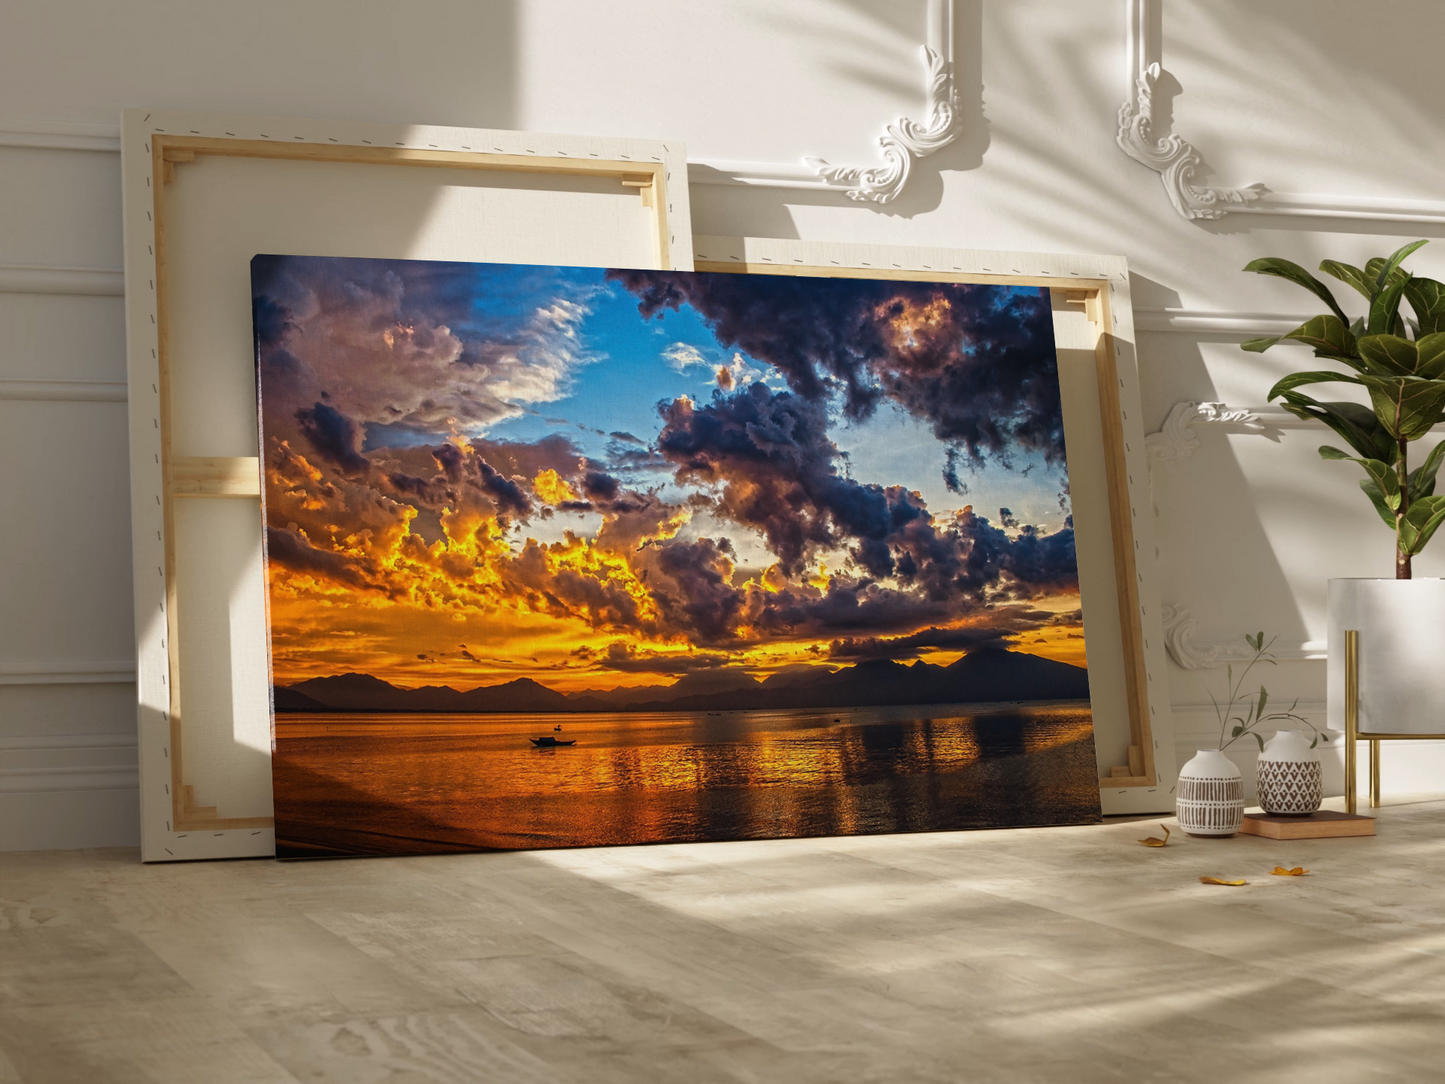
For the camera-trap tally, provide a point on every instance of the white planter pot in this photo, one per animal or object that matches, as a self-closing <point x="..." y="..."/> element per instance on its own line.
<point x="1210" y="798"/>
<point x="1401" y="625"/>
<point x="1290" y="778"/>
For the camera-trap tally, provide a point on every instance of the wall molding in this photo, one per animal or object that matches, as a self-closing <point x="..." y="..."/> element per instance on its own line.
<point x="1177" y="161"/>
<point x="1177" y="439"/>
<point x="1223" y="323"/>
<point x="901" y="143"/>
<point x="61" y="136"/>
<point x="1171" y="156"/>
<point x="88" y="281"/>
<point x="64" y="391"/>
<point x="1181" y="628"/>
<point x="62" y="673"/>
<point x="68" y="762"/>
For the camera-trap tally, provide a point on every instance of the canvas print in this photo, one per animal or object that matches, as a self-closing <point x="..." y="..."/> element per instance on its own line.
<point x="564" y="557"/>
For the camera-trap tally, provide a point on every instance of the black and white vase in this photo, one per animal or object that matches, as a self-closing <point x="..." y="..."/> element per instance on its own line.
<point x="1290" y="780"/>
<point x="1210" y="798"/>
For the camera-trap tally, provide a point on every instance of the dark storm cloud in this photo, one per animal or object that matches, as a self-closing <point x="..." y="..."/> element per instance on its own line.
<point x="409" y="484"/>
<point x="291" y="550"/>
<point x="997" y="633"/>
<point x="976" y="362"/>
<point x="334" y="436"/>
<point x="772" y="452"/>
<point x="689" y="583"/>
<point x="449" y="459"/>
<point x="508" y="495"/>
<point x="626" y="659"/>
<point x="600" y="486"/>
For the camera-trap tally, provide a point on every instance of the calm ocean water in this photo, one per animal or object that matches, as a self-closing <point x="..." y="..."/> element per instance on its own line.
<point x="408" y="784"/>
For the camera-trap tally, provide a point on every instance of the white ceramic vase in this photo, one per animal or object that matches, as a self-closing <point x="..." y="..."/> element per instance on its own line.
<point x="1290" y="779"/>
<point x="1210" y="798"/>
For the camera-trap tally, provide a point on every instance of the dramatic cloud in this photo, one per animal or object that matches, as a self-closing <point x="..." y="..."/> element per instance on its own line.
<point x="721" y="533"/>
<point x="1000" y="629"/>
<point x="976" y="362"/>
<point x="334" y="436"/>
<point x="397" y="343"/>
<point x="778" y="472"/>
<point x="626" y="659"/>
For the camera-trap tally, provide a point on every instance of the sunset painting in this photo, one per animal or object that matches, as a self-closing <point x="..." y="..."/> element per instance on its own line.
<point x="569" y="556"/>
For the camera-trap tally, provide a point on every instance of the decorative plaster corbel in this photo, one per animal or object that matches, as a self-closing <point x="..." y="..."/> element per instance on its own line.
<point x="902" y="141"/>
<point x="1176" y="439"/>
<point x="1171" y="156"/>
<point x="1180" y="627"/>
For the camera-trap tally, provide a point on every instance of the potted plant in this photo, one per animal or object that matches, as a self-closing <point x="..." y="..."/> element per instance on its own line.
<point x="1398" y="359"/>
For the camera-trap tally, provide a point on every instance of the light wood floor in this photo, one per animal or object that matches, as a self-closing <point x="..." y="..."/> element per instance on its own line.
<point x="1014" y="956"/>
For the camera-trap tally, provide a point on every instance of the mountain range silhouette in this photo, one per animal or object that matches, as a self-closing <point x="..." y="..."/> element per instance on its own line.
<point x="983" y="675"/>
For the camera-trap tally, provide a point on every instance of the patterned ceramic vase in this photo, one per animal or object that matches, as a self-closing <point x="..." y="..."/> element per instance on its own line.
<point x="1211" y="795"/>
<point x="1291" y="781"/>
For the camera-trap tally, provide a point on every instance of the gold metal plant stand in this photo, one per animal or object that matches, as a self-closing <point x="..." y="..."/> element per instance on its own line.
<point x="1352" y="728"/>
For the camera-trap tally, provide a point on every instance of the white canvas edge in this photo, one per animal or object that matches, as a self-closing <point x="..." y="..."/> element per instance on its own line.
<point x="159" y="842"/>
<point x="883" y="258"/>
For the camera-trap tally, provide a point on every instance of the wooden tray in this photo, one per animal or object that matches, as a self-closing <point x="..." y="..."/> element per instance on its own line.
<point x="1326" y="824"/>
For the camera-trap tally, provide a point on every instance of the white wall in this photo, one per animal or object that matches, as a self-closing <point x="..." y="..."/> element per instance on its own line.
<point x="1307" y="96"/>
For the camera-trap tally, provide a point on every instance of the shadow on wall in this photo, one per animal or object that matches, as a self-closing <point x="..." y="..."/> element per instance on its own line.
<point x="1392" y="76"/>
<point x="766" y="210"/>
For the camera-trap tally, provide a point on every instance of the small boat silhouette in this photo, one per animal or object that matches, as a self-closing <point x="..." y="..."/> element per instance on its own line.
<point x="557" y="727"/>
<point x="546" y="741"/>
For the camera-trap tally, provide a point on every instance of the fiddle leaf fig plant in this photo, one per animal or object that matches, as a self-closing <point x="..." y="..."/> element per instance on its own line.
<point x="1399" y="361"/>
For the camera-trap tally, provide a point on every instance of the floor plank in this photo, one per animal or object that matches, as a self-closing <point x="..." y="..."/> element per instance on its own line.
<point x="1068" y="954"/>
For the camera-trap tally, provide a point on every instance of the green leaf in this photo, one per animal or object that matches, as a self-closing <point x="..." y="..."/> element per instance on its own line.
<point x="1351" y="276"/>
<point x="1287" y="269"/>
<point x="1263" y="699"/>
<point x="1431" y="350"/>
<point x="1407" y="407"/>
<point x="1236" y="732"/>
<point x="1375" y="264"/>
<point x="1389" y="355"/>
<point x="1259" y="346"/>
<point x="1261" y="742"/>
<point x="1427" y="298"/>
<point x="1421" y="482"/>
<point x="1318" y="376"/>
<point x="1385" y="310"/>
<point x="1354" y="422"/>
<point x="1386" y="271"/>
<point x="1378" y="500"/>
<point x="1381" y="474"/>
<point x="1420" y="523"/>
<point x="1328" y="335"/>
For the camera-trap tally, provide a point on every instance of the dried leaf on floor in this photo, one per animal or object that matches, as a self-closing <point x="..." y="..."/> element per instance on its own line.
<point x="1155" y="841"/>
<point x="1280" y="871"/>
<point x="1217" y="881"/>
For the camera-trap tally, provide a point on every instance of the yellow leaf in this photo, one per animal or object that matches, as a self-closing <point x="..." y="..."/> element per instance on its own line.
<point x="1217" y="881"/>
<point x="1280" y="871"/>
<point x="1155" y="841"/>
